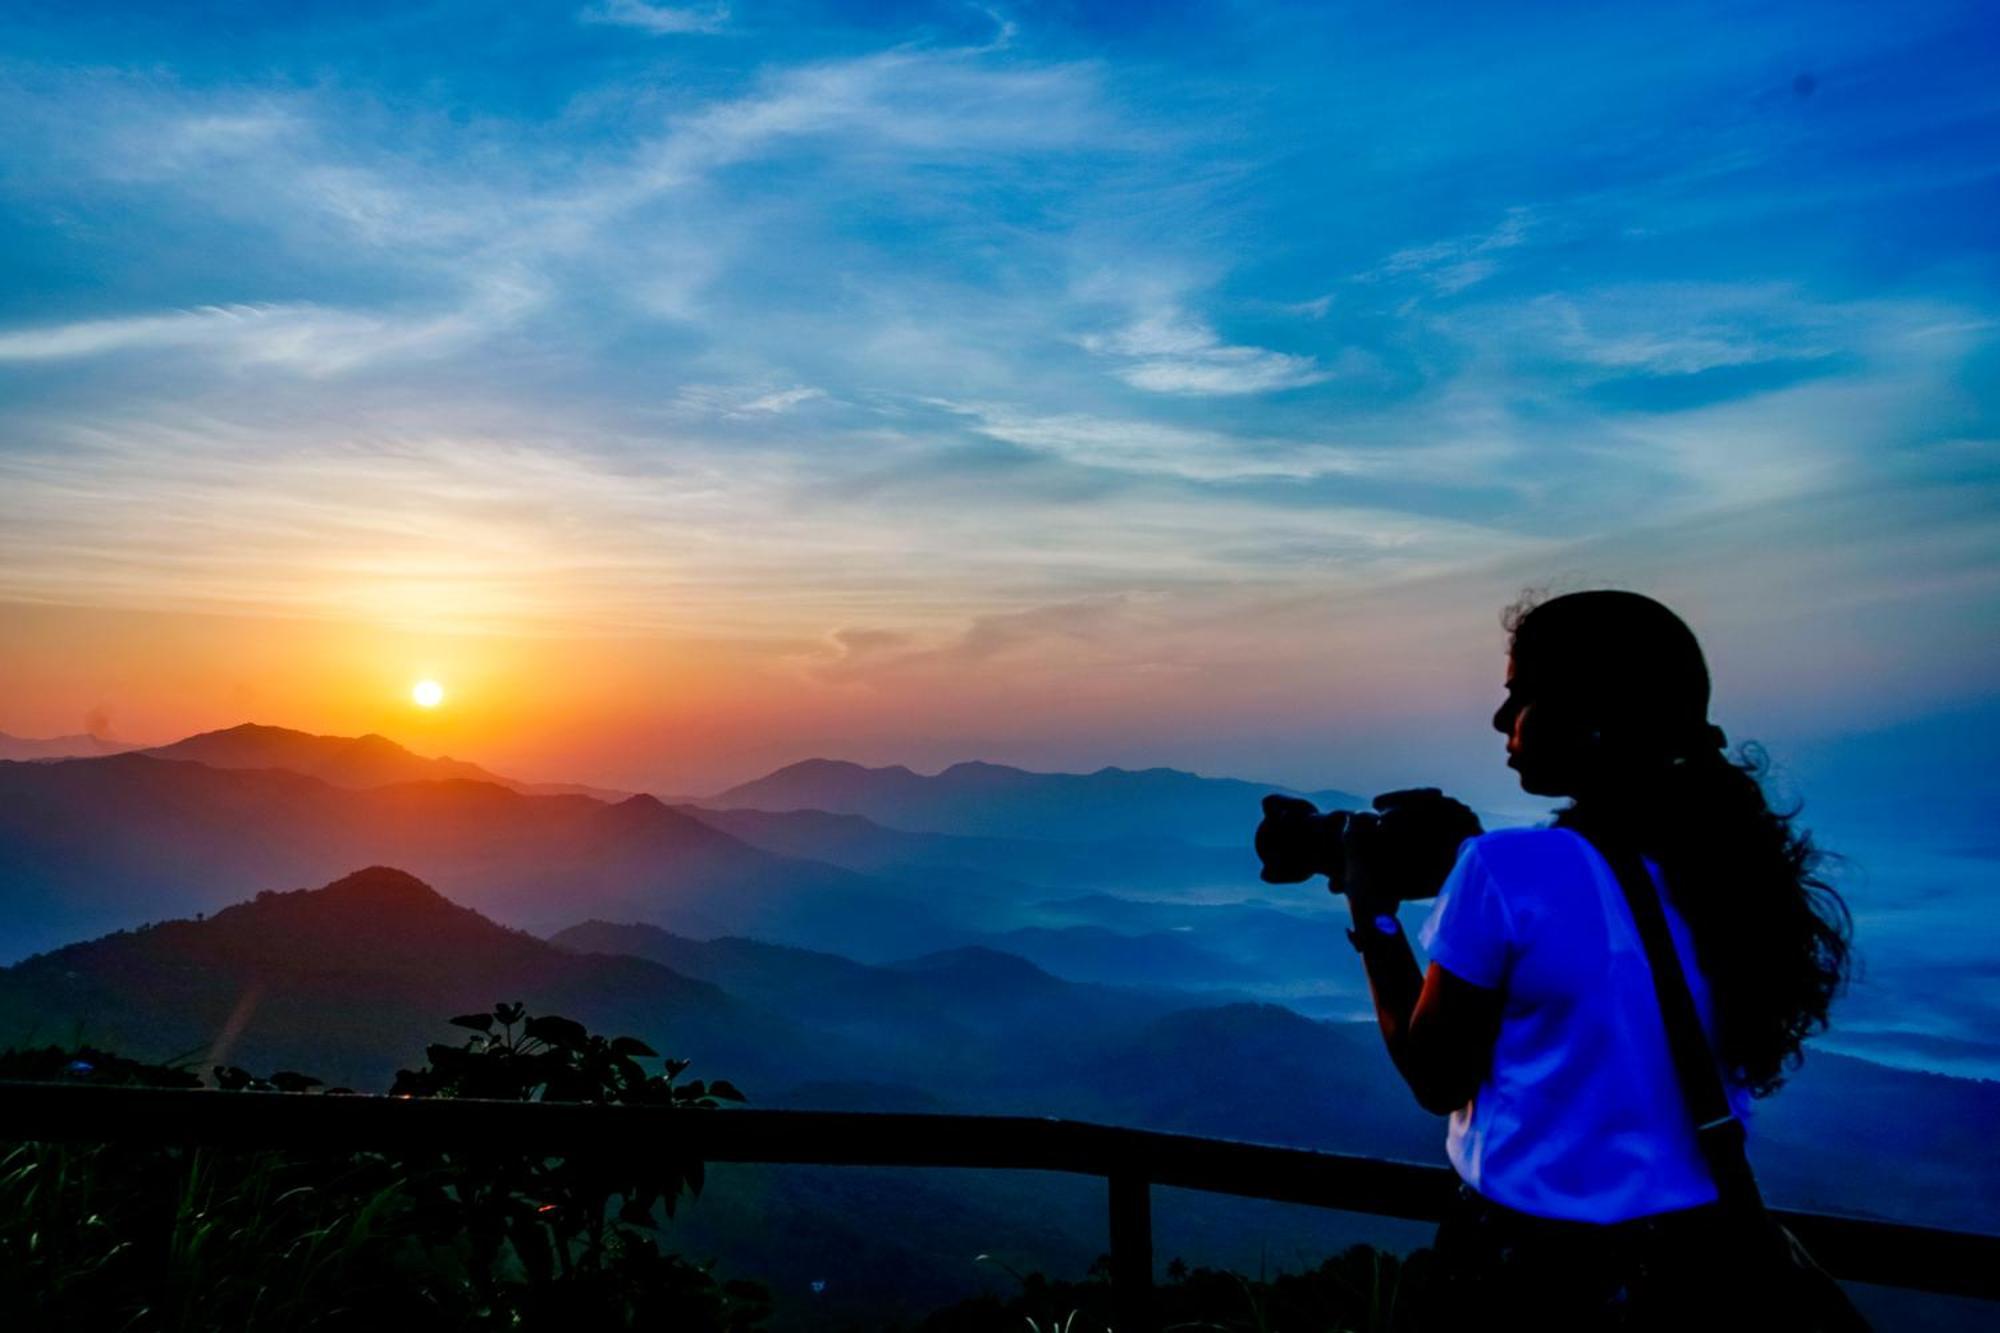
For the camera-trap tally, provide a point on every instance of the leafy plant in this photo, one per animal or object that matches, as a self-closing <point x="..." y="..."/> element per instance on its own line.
<point x="483" y="1236"/>
<point x="564" y="1237"/>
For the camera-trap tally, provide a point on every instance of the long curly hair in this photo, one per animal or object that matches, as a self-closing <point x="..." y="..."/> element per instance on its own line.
<point x="1772" y="937"/>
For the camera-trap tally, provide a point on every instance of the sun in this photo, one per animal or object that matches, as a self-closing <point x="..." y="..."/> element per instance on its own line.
<point x="427" y="693"/>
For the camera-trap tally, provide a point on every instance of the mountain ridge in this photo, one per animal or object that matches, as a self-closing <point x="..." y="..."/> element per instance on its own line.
<point x="191" y="837"/>
<point x="979" y="798"/>
<point x="367" y="760"/>
<point x="80" y="746"/>
<point x="347" y="978"/>
<point x="372" y="759"/>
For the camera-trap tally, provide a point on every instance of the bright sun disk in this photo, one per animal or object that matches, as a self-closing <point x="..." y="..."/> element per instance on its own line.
<point x="427" y="693"/>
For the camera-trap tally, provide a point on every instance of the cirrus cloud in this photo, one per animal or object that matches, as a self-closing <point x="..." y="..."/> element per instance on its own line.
<point x="1169" y="352"/>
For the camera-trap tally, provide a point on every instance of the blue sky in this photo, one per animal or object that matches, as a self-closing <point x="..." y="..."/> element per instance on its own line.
<point x="1234" y="361"/>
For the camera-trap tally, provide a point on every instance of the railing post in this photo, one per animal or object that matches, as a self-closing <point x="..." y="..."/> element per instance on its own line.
<point x="1132" y="1253"/>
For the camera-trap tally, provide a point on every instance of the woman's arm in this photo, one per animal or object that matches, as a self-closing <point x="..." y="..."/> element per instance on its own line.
<point x="1439" y="1027"/>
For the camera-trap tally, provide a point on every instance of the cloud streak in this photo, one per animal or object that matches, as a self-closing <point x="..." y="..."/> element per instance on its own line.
<point x="659" y="20"/>
<point x="304" y="338"/>
<point x="1450" y="266"/>
<point x="1168" y="352"/>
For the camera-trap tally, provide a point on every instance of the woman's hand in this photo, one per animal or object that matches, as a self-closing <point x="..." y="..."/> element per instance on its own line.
<point x="1405" y="850"/>
<point x="1364" y="880"/>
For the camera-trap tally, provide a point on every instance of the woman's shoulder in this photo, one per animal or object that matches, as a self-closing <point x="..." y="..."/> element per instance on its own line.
<point x="1525" y="840"/>
<point x="1523" y="833"/>
<point x="1532" y="849"/>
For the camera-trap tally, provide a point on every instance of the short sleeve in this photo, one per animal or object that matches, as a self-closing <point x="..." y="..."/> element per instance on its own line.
<point x="1468" y="931"/>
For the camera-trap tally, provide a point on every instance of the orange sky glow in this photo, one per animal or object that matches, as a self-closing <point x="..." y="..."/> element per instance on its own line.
<point x="1381" y="685"/>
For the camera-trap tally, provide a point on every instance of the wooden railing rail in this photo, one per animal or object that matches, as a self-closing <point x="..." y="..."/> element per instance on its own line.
<point x="1130" y="1160"/>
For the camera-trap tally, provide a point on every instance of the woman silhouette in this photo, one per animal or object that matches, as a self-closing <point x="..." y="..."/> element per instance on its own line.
<point x="1584" y="1201"/>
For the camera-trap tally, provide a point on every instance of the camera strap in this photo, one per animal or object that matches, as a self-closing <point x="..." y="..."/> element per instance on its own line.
<point x="1795" y="1291"/>
<point x="1718" y="1132"/>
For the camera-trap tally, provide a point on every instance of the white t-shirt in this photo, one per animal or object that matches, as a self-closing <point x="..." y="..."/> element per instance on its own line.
<point x="1580" y="1116"/>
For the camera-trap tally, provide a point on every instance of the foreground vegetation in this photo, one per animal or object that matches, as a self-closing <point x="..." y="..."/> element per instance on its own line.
<point x="484" y="1237"/>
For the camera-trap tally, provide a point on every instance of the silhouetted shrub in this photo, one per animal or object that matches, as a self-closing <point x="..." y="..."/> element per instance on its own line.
<point x="487" y="1235"/>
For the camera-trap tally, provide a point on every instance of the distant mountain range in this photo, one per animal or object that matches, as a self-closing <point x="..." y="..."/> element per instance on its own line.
<point x="343" y="761"/>
<point x="349" y="761"/>
<point x="1152" y="921"/>
<point x="1150" y="816"/>
<point x="58" y="747"/>
<point x="1160" y="862"/>
<point x="993" y="800"/>
<point x="883" y="815"/>
<point x="87" y="845"/>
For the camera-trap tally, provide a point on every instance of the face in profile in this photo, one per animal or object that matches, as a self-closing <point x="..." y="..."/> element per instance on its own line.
<point x="1604" y="690"/>
<point x="1547" y="745"/>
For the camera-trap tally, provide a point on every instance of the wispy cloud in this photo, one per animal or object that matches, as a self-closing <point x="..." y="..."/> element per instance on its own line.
<point x="1686" y="328"/>
<point x="1451" y="266"/>
<point x="741" y="402"/>
<point x="1155" y="447"/>
<point x="304" y="338"/>
<point x="509" y="226"/>
<point x="498" y="520"/>
<point x="1068" y="631"/>
<point x="1169" y="352"/>
<point x="1454" y="443"/>
<point x="655" y="18"/>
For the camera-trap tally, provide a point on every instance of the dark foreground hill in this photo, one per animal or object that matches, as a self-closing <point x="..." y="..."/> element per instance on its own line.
<point x="351" y="980"/>
<point x="994" y="800"/>
<point x="90" y="845"/>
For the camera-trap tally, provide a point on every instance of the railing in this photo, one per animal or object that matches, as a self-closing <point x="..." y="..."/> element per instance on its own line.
<point x="1130" y="1160"/>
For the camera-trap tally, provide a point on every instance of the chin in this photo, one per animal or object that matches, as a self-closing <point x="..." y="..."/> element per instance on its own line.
<point x="1535" y="786"/>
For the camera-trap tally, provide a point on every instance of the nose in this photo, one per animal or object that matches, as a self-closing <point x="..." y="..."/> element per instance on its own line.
<point x="1503" y="719"/>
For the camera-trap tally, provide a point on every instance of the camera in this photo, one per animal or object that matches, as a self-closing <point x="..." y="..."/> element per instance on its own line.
<point x="1417" y="834"/>
<point x="1296" y="841"/>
